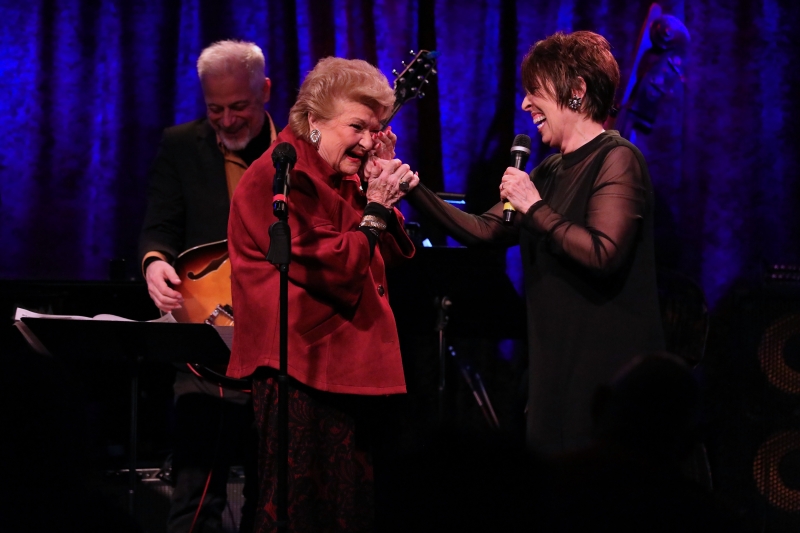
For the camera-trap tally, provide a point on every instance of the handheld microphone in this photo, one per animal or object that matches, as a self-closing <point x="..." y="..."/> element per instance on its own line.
<point x="520" y="150"/>
<point x="283" y="159"/>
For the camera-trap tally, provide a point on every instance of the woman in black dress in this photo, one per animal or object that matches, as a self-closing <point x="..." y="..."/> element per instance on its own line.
<point x="584" y="220"/>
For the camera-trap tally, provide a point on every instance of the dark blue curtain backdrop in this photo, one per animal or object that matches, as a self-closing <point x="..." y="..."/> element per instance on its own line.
<point x="87" y="86"/>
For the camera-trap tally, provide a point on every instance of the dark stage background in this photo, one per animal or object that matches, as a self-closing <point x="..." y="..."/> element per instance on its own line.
<point x="86" y="88"/>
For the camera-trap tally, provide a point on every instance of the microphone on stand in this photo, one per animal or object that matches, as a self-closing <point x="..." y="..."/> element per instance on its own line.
<point x="520" y="150"/>
<point x="283" y="159"/>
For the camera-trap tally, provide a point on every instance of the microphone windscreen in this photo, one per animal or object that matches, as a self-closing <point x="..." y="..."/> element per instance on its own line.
<point x="284" y="152"/>
<point x="521" y="142"/>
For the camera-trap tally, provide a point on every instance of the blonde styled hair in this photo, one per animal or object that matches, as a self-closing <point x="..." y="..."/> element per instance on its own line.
<point x="227" y="57"/>
<point x="334" y="80"/>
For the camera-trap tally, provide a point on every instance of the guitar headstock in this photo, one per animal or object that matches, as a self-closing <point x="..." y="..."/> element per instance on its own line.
<point x="410" y="83"/>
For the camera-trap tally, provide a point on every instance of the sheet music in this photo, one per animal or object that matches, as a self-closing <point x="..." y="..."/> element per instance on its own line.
<point x="37" y="345"/>
<point x="34" y="343"/>
<point x="21" y="313"/>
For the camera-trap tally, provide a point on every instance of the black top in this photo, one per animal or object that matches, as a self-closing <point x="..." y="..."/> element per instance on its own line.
<point x="187" y="199"/>
<point x="587" y="253"/>
<point x="257" y="145"/>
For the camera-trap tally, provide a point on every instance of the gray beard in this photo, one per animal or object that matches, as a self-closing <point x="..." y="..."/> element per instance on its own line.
<point x="234" y="145"/>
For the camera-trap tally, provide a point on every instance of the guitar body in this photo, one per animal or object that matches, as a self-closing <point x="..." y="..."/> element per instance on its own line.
<point x="205" y="273"/>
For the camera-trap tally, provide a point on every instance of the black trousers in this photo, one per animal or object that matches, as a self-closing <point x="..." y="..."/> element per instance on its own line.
<point x="213" y="431"/>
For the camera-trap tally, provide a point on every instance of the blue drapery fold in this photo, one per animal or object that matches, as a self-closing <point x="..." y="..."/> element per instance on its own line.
<point x="88" y="86"/>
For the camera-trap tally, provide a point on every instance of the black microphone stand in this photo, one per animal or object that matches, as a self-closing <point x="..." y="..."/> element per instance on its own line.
<point x="471" y="377"/>
<point x="280" y="248"/>
<point x="442" y="307"/>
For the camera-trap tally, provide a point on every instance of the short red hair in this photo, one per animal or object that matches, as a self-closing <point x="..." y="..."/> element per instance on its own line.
<point x="555" y="64"/>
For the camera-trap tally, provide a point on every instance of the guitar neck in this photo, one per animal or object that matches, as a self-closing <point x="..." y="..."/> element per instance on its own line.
<point x="409" y="84"/>
<point x="395" y="109"/>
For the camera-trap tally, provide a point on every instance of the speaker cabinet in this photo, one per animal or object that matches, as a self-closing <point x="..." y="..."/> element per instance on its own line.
<point x="753" y="375"/>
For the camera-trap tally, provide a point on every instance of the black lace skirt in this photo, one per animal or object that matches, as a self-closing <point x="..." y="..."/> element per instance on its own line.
<point x="331" y="480"/>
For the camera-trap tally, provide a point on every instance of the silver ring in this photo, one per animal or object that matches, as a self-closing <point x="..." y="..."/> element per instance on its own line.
<point x="404" y="186"/>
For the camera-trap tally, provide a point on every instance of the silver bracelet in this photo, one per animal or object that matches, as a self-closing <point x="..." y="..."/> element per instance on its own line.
<point x="371" y="221"/>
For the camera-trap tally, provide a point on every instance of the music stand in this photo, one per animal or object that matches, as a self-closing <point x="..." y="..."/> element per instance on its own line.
<point x="131" y="342"/>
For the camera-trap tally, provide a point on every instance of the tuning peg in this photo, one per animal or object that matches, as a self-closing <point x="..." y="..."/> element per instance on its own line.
<point x="394" y="71"/>
<point x="421" y="95"/>
<point x="403" y="63"/>
<point x="411" y="71"/>
<point x="434" y="71"/>
<point x="411" y="52"/>
<point x="426" y="82"/>
<point x="413" y="89"/>
<point x="420" y="78"/>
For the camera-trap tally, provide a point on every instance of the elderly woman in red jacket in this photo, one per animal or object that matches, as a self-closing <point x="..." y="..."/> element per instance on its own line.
<point x="342" y="340"/>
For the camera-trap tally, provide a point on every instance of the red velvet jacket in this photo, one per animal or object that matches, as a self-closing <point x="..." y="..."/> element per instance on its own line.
<point x="342" y="333"/>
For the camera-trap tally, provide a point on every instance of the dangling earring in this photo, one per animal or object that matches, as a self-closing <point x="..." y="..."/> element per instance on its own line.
<point x="315" y="137"/>
<point x="575" y="102"/>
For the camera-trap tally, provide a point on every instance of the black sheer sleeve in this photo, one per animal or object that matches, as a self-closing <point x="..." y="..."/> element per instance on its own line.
<point x="466" y="228"/>
<point x="614" y="212"/>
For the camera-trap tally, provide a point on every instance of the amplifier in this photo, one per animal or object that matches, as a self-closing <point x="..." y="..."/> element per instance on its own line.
<point x="151" y="500"/>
